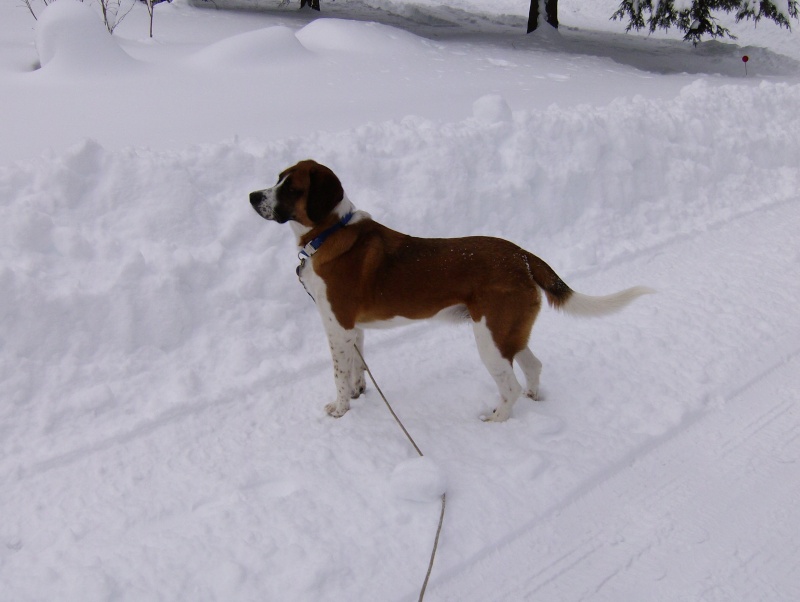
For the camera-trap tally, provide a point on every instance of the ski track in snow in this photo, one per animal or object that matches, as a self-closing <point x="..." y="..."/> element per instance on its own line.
<point x="691" y="492"/>
<point x="696" y="493"/>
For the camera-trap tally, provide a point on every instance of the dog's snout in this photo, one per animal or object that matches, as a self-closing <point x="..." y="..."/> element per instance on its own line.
<point x="264" y="204"/>
<point x="255" y="197"/>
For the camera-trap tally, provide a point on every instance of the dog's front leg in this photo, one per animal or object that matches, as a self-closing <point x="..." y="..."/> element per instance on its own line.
<point x="342" y="343"/>
<point x="358" y="384"/>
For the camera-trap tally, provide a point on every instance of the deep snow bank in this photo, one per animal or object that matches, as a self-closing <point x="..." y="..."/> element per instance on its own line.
<point x="125" y="271"/>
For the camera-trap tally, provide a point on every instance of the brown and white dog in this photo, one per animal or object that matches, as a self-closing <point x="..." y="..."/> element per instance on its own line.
<point x="366" y="275"/>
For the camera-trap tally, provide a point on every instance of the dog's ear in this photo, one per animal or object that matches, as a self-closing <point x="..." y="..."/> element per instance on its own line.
<point x="324" y="193"/>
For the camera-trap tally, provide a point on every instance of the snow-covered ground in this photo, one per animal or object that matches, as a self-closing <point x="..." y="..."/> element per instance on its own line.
<point x="163" y="375"/>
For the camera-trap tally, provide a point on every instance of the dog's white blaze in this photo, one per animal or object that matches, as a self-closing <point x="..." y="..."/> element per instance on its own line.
<point x="269" y="198"/>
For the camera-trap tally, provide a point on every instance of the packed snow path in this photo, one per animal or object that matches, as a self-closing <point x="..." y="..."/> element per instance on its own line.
<point x="706" y="511"/>
<point x="709" y="513"/>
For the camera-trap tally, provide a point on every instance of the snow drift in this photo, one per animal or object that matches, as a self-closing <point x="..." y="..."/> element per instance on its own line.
<point x="71" y="39"/>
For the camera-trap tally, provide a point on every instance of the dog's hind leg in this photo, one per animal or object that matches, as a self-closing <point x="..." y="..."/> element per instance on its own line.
<point x="501" y="370"/>
<point x="532" y="369"/>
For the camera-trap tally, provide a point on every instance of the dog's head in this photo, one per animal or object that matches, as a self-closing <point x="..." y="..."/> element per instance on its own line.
<point x="306" y="193"/>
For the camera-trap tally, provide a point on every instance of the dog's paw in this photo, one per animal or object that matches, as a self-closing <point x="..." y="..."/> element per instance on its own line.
<point x="534" y="395"/>
<point x="358" y="388"/>
<point x="497" y="415"/>
<point x="336" y="409"/>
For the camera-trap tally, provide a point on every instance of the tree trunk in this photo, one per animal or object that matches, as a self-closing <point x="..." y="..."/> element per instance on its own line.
<point x="550" y="8"/>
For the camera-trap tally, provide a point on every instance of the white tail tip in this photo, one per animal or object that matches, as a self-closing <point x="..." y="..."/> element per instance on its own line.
<point x="589" y="306"/>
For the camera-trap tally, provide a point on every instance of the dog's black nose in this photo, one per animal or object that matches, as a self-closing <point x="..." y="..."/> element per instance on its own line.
<point x="255" y="198"/>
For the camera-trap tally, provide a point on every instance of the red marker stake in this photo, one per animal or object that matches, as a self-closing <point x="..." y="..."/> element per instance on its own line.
<point x="745" y="58"/>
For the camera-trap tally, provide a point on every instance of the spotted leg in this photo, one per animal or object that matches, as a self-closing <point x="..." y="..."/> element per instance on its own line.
<point x="345" y="358"/>
<point x="358" y="384"/>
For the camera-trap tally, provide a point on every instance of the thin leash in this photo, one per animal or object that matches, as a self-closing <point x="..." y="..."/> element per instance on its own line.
<point x="419" y="451"/>
<point x="305" y="254"/>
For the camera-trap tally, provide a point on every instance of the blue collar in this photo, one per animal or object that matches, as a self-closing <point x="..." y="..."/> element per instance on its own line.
<point x="312" y="247"/>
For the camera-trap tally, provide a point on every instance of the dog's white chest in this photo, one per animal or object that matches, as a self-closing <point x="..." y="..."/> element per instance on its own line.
<point x="303" y="274"/>
<point x="315" y="286"/>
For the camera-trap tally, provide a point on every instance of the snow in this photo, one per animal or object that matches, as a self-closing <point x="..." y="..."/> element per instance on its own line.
<point x="418" y="480"/>
<point x="374" y="39"/>
<point x="163" y="377"/>
<point x="248" y="50"/>
<point x="492" y="109"/>
<point x="69" y="40"/>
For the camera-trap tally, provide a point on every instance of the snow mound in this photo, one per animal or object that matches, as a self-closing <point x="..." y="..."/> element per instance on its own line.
<point x="262" y="46"/>
<point x="546" y="35"/>
<point x="71" y="38"/>
<point x="418" y="480"/>
<point x="491" y="109"/>
<point x="360" y="37"/>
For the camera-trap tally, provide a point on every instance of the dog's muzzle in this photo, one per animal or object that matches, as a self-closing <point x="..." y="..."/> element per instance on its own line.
<point x="261" y="205"/>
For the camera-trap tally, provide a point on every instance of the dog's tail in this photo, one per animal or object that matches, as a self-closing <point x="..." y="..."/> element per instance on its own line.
<point x="562" y="297"/>
<point x="589" y="306"/>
